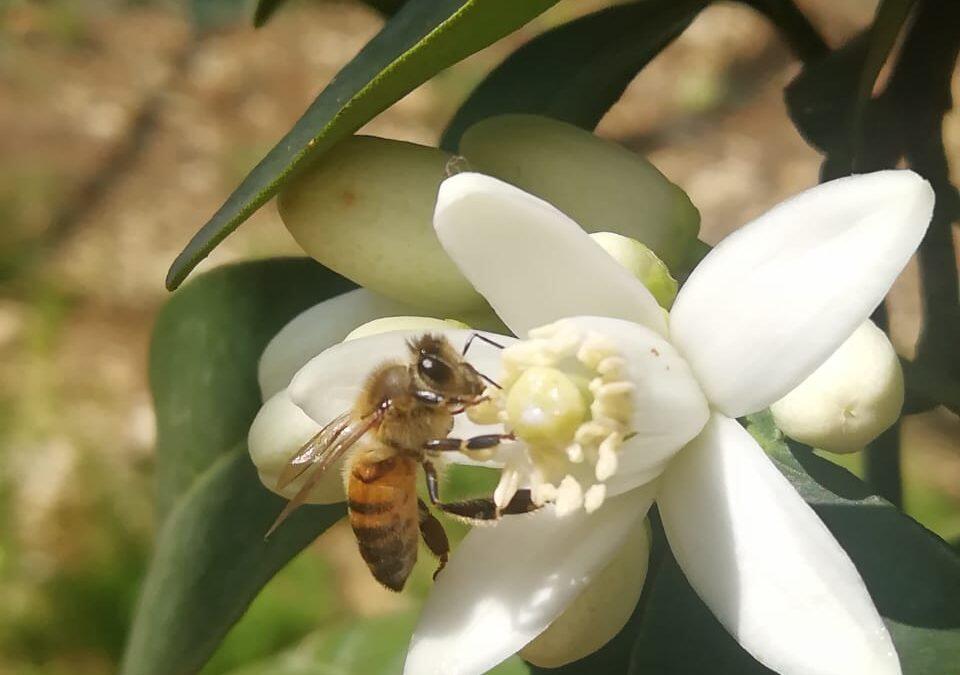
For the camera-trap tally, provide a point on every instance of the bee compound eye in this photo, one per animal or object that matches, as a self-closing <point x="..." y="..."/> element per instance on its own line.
<point x="434" y="369"/>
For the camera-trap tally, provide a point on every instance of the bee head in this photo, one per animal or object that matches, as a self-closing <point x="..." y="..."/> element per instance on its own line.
<point x="439" y="367"/>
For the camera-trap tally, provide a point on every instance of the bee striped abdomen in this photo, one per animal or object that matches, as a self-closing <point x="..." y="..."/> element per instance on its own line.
<point x="382" y="505"/>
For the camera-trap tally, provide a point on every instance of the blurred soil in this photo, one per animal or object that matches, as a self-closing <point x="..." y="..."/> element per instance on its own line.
<point x="123" y="131"/>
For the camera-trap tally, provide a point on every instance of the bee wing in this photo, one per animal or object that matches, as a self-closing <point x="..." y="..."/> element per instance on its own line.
<point x="320" y="452"/>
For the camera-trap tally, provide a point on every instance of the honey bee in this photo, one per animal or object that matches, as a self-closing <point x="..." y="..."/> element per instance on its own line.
<point x="401" y="418"/>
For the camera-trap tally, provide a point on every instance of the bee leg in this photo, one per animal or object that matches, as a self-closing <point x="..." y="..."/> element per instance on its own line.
<point x="485" y="509"/>
<point x="482" y="509"/>
<point x="483" y="442"/>
<point x="434" y="536"/>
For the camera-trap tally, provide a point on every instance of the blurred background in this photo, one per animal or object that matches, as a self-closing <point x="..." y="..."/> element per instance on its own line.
<point x="122" y="128"/>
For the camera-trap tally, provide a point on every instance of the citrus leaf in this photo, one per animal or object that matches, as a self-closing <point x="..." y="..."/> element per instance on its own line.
<point x="577" y="71"/>
<point x="210" y="562"/>
<point x="831" y="101"/>
<point x="371" y="646"/>
<point x="203" y="359"/>
<point x="265" y="9"/>
<point x="210" y="558"/>
<point x="420" y="40"/>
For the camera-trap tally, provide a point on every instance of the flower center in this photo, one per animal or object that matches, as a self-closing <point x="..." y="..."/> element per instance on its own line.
<point x="566" y="398"/>
<point x="545" y="407"/>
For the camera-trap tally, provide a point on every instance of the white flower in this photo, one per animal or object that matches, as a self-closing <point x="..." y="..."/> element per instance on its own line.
<point x="755" y="318"/>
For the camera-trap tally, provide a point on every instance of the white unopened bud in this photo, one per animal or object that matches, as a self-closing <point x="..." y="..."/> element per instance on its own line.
<point x="849" y="400"/>
<point x="279" y="430"/>
<point x="600" y="611"/>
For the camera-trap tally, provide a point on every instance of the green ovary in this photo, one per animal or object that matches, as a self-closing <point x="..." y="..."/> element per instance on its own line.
<point x="545" y="407"/>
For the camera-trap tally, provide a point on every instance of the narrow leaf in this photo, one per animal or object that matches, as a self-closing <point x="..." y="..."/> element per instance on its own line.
<point x="265" y="10"/>
<point x="576" y="72"/>
<point x="367" y="646"/>
<point x="420" y="40"/>
<point x="210" y="558"/>
<point x="203" y="359"/>
<point x="831" y="100"/>
<point x="210" y="562"/>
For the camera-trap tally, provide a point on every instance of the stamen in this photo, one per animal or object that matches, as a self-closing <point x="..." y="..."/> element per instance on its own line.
<point x="568" y="399"/>
<point x="569" y="496"/>
<point x="575" y="453"/>
<point x="607" y="456"/>
<point x="594" y="496"/>
<point x="507" y="487"/>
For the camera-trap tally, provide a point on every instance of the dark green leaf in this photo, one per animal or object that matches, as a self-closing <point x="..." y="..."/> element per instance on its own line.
<point x="420" y="40"/>
<point x="265" y="10"/>
<point x="363" y="646"/>
<point x="279" y="617"/>
<point x="794" y="26"/>
<point x="203" y="359"/>
<point x="210" y="562"/>
<point x="576" y="72"/>
<point x="210" y="558"/>
<point x="831" y="103"/>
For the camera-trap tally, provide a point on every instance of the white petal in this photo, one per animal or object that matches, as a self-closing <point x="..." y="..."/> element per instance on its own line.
<point x="532" y="263"/>
<point x="331" y="382"/>
<point x="848" y="401"/>
<point x="597" y="182"/>
<point x="278" y="431"/>
<point x="506" y="583"/>
<point x="765" y="564"/>
<point x="602" y="608"/>
<point x="774" y="299"/>
<point x="669" y="409"/>
<point x="315" y="329"/>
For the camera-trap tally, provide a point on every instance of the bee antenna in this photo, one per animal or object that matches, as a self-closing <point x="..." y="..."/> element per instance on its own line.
<point x="473" y="336"/>
<point x="490" y="380"/>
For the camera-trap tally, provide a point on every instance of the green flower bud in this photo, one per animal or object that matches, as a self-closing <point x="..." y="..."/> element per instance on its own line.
<point x="642" y="263"/>
<point x="365" y="210"/>
<point x="600" y="184"/>
<point x="849" y="400"/>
